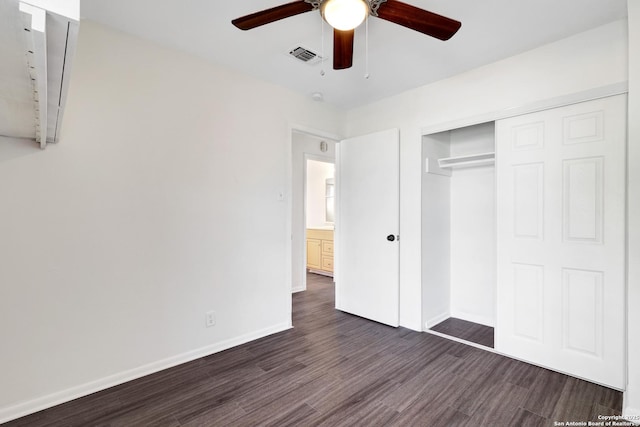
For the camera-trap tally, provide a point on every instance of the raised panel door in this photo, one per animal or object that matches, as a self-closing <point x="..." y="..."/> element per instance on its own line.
<point x="314" y="253"/>
<point x="561" y="238"/>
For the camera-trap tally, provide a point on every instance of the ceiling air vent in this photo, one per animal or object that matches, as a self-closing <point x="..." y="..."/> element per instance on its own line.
<point x="305" y="55"/>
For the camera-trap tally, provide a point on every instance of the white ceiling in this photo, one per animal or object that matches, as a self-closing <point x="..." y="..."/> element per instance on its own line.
<point x="399" y="58"/>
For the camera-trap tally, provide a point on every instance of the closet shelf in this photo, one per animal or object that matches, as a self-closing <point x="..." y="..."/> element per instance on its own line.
<point x="468" y="160"/>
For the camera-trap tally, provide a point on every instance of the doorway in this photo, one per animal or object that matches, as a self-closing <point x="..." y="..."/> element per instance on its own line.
<point x="319" y="215"/>
<point x="313" y="163"/>
<point x="367" y="217"/>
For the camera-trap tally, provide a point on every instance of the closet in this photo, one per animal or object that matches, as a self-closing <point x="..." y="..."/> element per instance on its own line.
<point x="459" y="233"/>
<point x="523" y="236"/>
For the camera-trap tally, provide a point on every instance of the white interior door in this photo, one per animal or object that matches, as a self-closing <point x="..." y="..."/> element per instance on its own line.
<point x="367" y="226"/>
<point x="561" y="238"/>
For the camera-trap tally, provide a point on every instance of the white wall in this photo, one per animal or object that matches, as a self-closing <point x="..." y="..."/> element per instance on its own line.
<point x="317" y="175"/>
<point x="303" y="144"/>
<point x="585" y="61"/>
<point x="159" y="203"/>
<point x="632" y="396"/>
<point x="436" y="232"/>
<point x="473" y="228"/>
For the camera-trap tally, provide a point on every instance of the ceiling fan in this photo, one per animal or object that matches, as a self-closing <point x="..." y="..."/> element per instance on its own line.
<point x="345" y="15"/>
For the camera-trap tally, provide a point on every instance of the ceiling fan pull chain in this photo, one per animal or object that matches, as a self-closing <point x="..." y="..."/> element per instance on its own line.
<point x="366" y="49"/>
<point x="322" y="49"/>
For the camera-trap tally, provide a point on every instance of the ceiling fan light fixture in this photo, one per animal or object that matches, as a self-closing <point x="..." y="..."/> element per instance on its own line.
<point x="344" y="15"/>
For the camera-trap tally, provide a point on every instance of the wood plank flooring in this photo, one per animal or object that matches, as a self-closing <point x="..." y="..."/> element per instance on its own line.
<point x="468" y="331"/>
<point x="335" y="369"/>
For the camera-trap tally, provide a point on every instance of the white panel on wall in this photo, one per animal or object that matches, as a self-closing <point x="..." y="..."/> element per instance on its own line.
<point x="528" y="196"/>
<point x="583" y="128"/>
<point x="583" y="199"/>
<point x="631" y="404"/>
<point x="528" y="294"/>
<point x="436" y="232"/>
<point x="529" y="136"/>
<point x="582" y="299"/>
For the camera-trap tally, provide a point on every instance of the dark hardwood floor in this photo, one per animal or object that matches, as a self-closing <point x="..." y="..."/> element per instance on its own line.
<point x="335" y="369"/>
<point x="468" y="331"/>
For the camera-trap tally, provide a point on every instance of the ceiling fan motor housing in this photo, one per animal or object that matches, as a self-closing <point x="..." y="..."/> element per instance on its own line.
<point x="373" y="5"/>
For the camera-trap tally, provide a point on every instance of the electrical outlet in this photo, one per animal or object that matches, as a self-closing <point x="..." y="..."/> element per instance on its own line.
<point x="210" y="318"/>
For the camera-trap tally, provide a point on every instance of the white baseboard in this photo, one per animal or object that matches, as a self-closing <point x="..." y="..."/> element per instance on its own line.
<point x="629" y="413"/>
<point x="413" y="324"/>
<point x="632" y="415"/>
<point x="29" y="407"/>
<point x="430" y="323"/>
<point x="298" y="289"/>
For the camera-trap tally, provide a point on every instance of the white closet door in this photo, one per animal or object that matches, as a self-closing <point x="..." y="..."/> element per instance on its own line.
<point x="561" y="238"/>
<point x="367" y="250"/>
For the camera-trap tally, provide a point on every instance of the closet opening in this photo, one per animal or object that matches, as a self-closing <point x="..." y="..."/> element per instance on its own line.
<point x="459" y="233"/>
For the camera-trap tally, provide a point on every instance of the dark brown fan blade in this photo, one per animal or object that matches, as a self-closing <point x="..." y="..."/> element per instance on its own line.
<point x="423" y="21"/>
<point x="342" y="49"/>
<point x="271" y="15"/>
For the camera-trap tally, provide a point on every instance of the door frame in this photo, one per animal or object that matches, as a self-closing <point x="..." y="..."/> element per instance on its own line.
<point x="288" y="197"/>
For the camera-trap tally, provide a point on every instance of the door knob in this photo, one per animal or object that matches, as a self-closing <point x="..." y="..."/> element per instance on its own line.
<point x="391" y="237"/>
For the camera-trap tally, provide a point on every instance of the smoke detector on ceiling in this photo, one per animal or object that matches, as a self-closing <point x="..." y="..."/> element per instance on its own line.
<point x="305" y="55"/>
